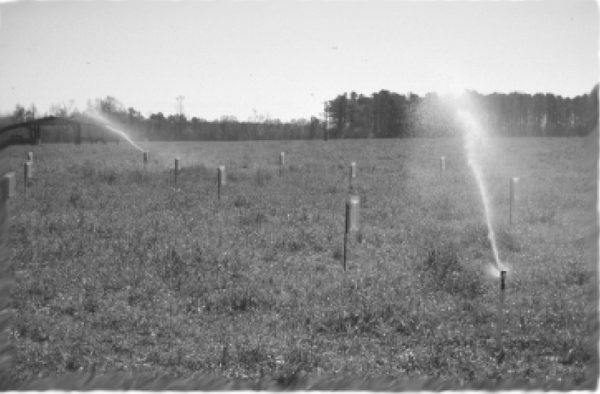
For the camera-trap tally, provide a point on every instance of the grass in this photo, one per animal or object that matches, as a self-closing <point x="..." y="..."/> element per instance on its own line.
<point x="119" y="268"/>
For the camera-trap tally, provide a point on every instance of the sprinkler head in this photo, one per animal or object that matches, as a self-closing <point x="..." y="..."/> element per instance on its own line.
<point x="502" y="280"/>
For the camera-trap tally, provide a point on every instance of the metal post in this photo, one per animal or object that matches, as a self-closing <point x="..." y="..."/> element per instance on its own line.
<point x="500" y="323"/>
<point x="346" y="231"/>
<point x="27" y="169"/>
<point x="221" y="180"/>
<point x="352" y="214"/>
<point x="352" y="175"/>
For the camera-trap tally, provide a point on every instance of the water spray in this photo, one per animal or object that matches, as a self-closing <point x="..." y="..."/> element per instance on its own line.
<point x="221" y="180"/>
<point x="352" y="214"/>
<point x="512" y="198"/>
<point x="114" y="130"/>
<point x="472" y="134"/>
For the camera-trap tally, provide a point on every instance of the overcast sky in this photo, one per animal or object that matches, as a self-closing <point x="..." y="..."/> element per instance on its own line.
<point x="285" y="58"/>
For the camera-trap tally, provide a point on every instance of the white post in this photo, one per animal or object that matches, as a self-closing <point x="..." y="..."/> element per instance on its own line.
<point x="7" y="185"/>
<point x="352" y="174"/>
<point x="221" y="180"/>
<point x="442" y="164"/>
<point x="512" y="198"/>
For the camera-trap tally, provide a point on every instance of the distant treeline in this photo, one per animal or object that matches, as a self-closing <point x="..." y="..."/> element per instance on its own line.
<point x="391" y="115"/>
<point x="381" y="115"/>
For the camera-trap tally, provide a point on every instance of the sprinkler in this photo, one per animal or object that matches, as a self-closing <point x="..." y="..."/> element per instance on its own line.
<point x="501" y="314"/>
<point x="352" y="214"/>
<point x="221" y="180"/>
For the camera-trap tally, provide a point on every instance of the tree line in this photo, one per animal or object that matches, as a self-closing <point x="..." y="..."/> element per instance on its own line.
<point x="381" y="115"/>
<point x="390" y="115"/>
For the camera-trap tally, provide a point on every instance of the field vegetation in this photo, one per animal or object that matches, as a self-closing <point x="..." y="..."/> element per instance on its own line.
<point x="121" y="268"/>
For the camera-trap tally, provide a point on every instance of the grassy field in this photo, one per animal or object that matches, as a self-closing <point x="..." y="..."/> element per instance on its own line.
<point x="119" y="268"/>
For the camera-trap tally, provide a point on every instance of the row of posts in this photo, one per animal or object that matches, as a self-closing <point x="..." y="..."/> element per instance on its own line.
<point x="352" y="204"/>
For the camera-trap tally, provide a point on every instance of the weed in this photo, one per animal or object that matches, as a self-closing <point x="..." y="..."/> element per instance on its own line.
<point x="448" y="274"/>
<point x="507" y="240"/>
<point x="167" y="272"/>
<point x="262" y="177"/>
<point x="337" y="254"/>
<point x="253" y="219"/>
<point x="242" y="202"/>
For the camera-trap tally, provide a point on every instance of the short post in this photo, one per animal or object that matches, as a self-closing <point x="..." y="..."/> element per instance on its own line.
<point x="352" y="176"/>
<point x="442" y="164"/>
<point x="500" y="323"/>
<point x="30" y="157"/>
<point x="28" y="174"/>
<point x="7" y="191"/>
<point x="352" y="214"/>
<point x="7" y="186"/>
<point x="176" y="168"/>
<point x="145" y="157"/>
<point x="512" y="198"/>
<point x="221" y="180"/>
<point x="281" y="162"/>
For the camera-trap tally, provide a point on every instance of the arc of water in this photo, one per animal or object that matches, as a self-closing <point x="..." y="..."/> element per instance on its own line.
<point x="124" y="136"/>
<point x="472" y="135"/>
<point x="114" y="130"/>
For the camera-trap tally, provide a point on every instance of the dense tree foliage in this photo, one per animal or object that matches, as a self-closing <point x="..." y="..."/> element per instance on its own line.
<point x="390" y="115"/>
<point x="382" y="115"/>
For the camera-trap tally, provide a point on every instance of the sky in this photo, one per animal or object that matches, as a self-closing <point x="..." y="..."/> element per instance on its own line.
<point x="283" y="59"/>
